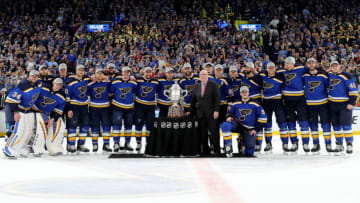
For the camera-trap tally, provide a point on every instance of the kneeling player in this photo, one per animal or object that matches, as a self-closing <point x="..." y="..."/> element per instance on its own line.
<point x="246" y="117"/>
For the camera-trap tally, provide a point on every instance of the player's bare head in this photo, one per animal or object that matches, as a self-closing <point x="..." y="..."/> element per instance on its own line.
<point x="204" y="76"/>
<point x="289" y="63"/>
<point x="57" y="84"/>
<point x="311" y="63"/>
<point x="80" y="70"/>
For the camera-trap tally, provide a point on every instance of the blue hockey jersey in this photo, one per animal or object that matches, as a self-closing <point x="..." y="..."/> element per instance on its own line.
<point x="23" y="96"/>
<point x="76" y="92"/>
<point x="123" y="93"/>
<point x="99" y="94"/>
<point x="47" y="80"/>
<point x="235" y="84"/>
<point x="294" y="83"/>
<point x="164" y="84"/>
<point x="254" y="84"/>
<point x="224" y="89"/>
<point x="316" y="88"/>
<point x="51" y="103"/>
<point x="146" y="91"/>
<point x="250" y="114"/>
<point x="272" y="86"/>
<point x="188" y="84"/>
<point x="342" y="88"/>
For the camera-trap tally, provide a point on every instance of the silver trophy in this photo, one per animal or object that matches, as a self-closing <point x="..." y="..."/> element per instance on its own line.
<point x="175" y="94"/>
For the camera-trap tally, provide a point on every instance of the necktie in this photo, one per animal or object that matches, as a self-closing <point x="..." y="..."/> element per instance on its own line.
<point x="203" y="90"/>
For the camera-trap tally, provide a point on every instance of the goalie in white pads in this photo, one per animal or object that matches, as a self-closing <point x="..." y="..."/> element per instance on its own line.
<point x="21" y="99"/>
<point x="50" y="127"/>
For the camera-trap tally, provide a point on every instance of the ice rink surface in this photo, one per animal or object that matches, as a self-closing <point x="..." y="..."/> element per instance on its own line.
<point x="269" y="178"/>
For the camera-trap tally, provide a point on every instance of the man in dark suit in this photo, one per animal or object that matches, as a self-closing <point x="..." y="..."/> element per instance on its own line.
<point x="2" y="98"/>
<point x="205" y="105"/>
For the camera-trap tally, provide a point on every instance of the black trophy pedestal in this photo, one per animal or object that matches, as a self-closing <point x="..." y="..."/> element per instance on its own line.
<point x="173" y="138"/>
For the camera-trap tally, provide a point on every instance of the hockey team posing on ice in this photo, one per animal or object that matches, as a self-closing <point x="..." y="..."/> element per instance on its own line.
<point x="103" y="103"/>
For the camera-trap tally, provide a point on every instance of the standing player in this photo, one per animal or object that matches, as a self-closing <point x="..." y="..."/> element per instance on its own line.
<point x="77" y="106"/>
<point x="165" y="84"/>
<point x="123" y="91"/>
<point x="295" y="106"/>
<point x="145" y="105"/>
<point x="245" y="117"/>
<point x="99" y="110"/>
<point x="342" y="98"/>
<point x="234" y="83"/>
<point x="21" y="99"/>
<point x="252" y="81"/>
<point x="272" y="102"/>
<point x="224" y="91"/>
<point x="44" y="75"/>
<point x="63" y="72"/>
<point x="111" y="72"/>
<point x="316" y="92"/>
<point x="49" y="128"/>
<point x="188" y="84"/>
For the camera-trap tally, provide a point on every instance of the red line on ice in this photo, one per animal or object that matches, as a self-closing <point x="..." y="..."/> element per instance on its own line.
<point x="215" y="185"/>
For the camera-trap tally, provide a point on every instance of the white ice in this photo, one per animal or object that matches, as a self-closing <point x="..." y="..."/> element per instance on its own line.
<point x="268" y="178"/>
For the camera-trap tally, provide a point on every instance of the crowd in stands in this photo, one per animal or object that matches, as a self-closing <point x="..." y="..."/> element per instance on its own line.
<point x="169" y="33"/>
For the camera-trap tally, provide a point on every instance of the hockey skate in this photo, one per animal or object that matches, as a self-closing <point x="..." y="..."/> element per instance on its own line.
<point x="240" y="146"/>
<point x="339" y="150"/>
<point x="285" y="148"/>
<point x="70" y="149"/>
<point x="116" y="147"/>
<point x="316" y="149"/>
<point x="128" y="147"/>
<point x="95" y="147"/>
<point x="228" y="151"/>
<point x="106" y="148"/>
<point x="306" y="148"/>
<point x="8" y="154"/>
<point x="82" y="148"/>
<point x="329" y="149"/>
<point x="349" y="148"/>
<point x="294" y="148"/>
<point x="257" y="149"/>
<point x="268" y="148"/>
<point x="138" y="147"/>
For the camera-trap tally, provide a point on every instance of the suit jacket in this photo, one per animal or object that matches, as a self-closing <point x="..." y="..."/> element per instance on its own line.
<point x="204" y="107"/>
<point x="2" y="101"/>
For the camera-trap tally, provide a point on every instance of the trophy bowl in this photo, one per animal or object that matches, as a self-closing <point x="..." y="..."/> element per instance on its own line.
<point x="175" y="95"/>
